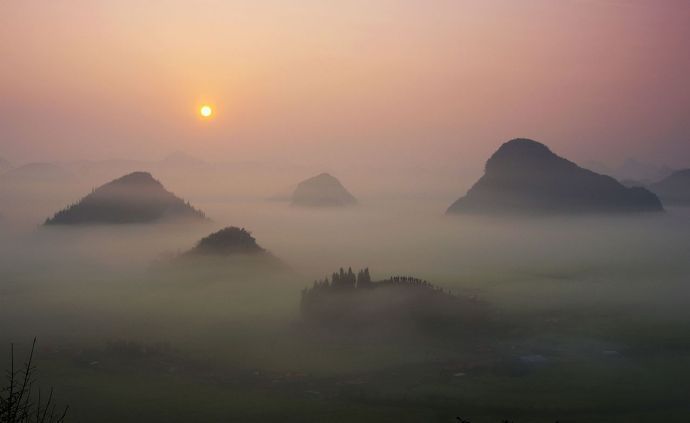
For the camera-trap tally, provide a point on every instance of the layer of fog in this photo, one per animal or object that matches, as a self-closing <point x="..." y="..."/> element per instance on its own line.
<point x="98" y="283"/>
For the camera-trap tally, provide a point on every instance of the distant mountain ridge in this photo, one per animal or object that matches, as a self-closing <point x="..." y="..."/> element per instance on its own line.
<point x="134" y="198"/>
<point x="179" y="158"/>
<point x="525" y="177"/>
<point x="633" y="169"/>
<point x="37" y="172"/>
<point x="322" y="190"/>
<point x="5" y="165"/>
<point x="631" y="172"/>
<point x="674" y="189"/>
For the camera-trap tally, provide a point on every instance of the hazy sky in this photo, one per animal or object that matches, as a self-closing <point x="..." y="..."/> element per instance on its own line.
<point x="399" y="82"/>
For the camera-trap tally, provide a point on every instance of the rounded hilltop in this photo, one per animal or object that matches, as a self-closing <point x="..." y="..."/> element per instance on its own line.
<point x="323" y="190"/>
<point x="231" y="249"/>
<point x="525" y="177"/>
<point x="227" y="241"/>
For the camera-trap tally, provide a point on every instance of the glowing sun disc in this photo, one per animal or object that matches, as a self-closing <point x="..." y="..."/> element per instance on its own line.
<point x="206" y="111"/>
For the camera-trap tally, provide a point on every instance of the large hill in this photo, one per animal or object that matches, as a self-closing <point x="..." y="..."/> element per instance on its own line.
<point x="674" y="189"/>
<point x="322" y="190"/>
<point x="525" y="177"/>
<point x="133" y="198"/>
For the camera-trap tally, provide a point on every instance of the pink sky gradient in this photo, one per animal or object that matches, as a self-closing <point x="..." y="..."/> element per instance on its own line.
<point x="399" y="82"/>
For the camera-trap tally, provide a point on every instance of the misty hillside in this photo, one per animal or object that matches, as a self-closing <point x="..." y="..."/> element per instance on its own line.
<point x="322" y="190"/>
<point x="525" y="177"/>
<point x="231" y="253"/>
<point x="352" y="300"/>
<point x="674" y="189"/>
<point x="133" y="198"/>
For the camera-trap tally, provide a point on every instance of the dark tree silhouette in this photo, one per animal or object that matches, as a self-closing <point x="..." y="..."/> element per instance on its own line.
<point x="19" y="403"/>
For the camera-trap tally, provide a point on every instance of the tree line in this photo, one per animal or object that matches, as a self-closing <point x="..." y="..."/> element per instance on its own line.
<point x="348" y="280"/>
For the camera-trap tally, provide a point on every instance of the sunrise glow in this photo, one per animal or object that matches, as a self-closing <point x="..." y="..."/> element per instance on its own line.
<point x="206" y="111"/>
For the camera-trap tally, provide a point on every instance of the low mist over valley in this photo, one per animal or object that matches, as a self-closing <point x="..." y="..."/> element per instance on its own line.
<point x="229" y="305"/>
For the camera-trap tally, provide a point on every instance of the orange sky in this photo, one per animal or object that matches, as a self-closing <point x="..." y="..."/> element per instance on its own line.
<point x="399" y="82"/>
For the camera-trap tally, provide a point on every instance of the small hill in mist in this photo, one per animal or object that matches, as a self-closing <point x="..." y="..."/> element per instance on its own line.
<point x="229" y="251"/>
<point x="525" y="177"/>
<point x="322" y="190"/>
<point x="133" y="198"/>
<point x="400" y="304"/>
<point x="227" y="241"/>
<point x="674" y="189"/>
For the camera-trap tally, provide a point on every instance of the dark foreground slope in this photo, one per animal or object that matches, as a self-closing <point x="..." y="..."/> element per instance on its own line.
<point x="674" y="189"/>
<point x="133" y="198"/>
<point x="322" y="190"/>
<point x="525" y="177"/>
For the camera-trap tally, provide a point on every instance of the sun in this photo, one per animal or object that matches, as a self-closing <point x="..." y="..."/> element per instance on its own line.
<point x="206" y="111"/>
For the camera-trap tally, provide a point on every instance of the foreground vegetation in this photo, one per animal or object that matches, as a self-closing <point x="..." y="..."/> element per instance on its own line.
<point x="20" y="402"/>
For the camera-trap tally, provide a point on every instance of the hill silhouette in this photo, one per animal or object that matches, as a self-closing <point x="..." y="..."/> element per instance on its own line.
<point x="231" y="253"/>
<point x="133" y="198"/>
<point x="674" y="189"/>
<point x="322" y="190"/>
<point x="227" y="241"/>
<point x="525" y="177"/>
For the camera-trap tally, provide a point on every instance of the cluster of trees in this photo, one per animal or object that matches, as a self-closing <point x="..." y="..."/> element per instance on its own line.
<point x="352" y="301"/>
<point x="344" y="280"/>
<point x="412" y="282"/>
